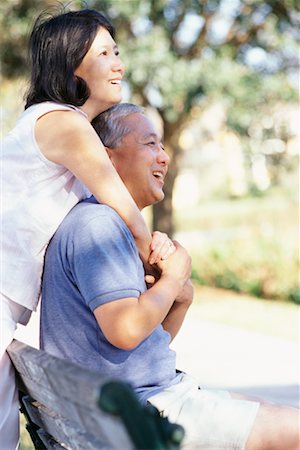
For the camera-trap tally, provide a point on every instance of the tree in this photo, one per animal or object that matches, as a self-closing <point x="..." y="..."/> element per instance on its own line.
<point x="180" y="52"/>
<point x="16" y="19"/>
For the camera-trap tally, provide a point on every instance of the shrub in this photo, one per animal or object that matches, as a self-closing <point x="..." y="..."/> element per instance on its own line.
<point x="258" y="267"/>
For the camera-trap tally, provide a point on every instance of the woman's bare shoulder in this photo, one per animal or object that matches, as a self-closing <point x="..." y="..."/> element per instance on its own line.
<point x="57" y="121"/>
<point x="60" y="131"/>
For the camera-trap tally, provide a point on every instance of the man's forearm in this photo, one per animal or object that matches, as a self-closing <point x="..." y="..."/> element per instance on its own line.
<point x="155" y="305"/>
<point x="174" y="319"/>
<point x="127" y="322"/>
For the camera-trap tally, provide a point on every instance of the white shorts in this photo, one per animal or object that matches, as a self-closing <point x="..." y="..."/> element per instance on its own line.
<point x="212" y="419"/>
<point x="10" y="314"/>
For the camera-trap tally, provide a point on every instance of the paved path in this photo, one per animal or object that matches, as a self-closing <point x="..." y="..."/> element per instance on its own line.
<point x="223" y="356"/>
<point x="242" y="361"/>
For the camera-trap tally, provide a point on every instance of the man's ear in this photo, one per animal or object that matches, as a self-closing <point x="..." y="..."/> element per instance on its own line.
<point x="110" y="153"/>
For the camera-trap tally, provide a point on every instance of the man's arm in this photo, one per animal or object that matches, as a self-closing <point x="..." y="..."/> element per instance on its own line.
<point x="127" y="322"/>
<point x="175" y="317"/>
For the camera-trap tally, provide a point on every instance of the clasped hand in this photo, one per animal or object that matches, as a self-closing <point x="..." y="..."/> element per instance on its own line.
<point x="172" y="260"/>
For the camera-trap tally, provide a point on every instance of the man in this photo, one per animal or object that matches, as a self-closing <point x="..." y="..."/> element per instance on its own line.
<point x="97" y="311"/>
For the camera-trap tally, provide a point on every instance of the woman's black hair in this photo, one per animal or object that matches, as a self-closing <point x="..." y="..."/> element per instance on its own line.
<point x="57" y="46"/>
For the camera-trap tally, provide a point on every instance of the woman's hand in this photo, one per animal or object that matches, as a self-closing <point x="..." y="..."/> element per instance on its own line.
<point x="161" y="247"/>
<point x="177" y="267"/>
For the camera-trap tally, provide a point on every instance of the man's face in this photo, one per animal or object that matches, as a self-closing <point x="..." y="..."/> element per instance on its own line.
<point x="141" y="160"/>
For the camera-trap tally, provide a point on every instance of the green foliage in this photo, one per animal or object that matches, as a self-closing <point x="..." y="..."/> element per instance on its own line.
<point x="16" y="19"/>
<point x="251" y="247"/>
<point x="263" y="270"/>
<point x="243" y="91"/>
<point x="160" y="75"/>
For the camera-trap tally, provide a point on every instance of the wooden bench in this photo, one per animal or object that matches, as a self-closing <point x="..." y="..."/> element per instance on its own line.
<point x="68" y="406"/>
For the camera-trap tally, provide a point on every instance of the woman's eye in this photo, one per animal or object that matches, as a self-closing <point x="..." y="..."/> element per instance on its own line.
<point x="117" y="52"/>
<point x="103" y="53"/>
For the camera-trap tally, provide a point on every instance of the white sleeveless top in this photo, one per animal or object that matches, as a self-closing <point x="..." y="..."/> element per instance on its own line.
<point x="36" y="196"/>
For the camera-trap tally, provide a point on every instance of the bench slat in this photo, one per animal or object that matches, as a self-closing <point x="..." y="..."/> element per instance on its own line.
<point x="48" y="441"/>
<point x="63" y="430"/>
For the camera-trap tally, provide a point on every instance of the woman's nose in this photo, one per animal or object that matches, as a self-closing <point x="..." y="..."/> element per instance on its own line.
<point x="118" y="65"/>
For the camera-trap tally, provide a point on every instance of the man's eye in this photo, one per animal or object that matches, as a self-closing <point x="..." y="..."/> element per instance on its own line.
<point x="151" y="143"/>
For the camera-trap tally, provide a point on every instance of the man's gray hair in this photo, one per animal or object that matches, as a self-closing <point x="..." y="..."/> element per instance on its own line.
<point x="110" y="125"/>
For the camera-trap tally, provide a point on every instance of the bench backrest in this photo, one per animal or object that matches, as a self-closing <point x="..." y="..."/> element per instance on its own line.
<point x="77" y="407"/>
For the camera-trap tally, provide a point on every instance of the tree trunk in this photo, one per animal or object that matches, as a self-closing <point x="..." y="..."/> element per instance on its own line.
<point x="163" y="218"/>
<point x="162" y="211"/>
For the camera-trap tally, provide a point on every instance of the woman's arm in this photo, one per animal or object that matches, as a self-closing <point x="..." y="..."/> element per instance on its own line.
<point x="67" y="138"/>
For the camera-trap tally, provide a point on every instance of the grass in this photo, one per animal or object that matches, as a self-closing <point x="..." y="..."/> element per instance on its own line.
<point x="274" y="318"/>
<point x="26" y="443"/>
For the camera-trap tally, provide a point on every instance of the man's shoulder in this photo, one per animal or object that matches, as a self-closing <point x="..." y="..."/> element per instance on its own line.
<point x="88" y="215"/>
<point x="89" y="209"/>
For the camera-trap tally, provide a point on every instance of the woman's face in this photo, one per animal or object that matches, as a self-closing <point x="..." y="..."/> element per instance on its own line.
<point x="102" y="70"/>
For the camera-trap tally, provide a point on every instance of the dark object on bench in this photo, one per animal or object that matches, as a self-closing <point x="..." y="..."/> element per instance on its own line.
<point x="67" y="406"/>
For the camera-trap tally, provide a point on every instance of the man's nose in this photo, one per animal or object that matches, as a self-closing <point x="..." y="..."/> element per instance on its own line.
<point x="163" y="157"/>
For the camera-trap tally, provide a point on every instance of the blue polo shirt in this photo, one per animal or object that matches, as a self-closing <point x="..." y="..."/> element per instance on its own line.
<point x="92" y="260"/>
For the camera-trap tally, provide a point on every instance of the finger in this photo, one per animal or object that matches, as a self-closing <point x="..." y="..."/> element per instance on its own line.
<point x="153" y="258"/>
<point x="150" y="279"/>
<point x="170" y="251"/>
<point x="167" y="250"/>
<point x="158" y="252"/>
<point x="158" y="239"/>
<point x="162" y="252"/>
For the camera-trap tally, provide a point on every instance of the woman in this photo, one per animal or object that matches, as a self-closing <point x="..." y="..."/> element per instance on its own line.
<point x="52" y="159"/>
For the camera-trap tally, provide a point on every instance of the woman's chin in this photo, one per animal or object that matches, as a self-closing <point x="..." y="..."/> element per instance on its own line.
<point x="114" y="100"/>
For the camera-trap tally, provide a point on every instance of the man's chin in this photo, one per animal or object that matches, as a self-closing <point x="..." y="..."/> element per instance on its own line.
<point x="156" y="199"/>
<point x="159" y="198"/>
